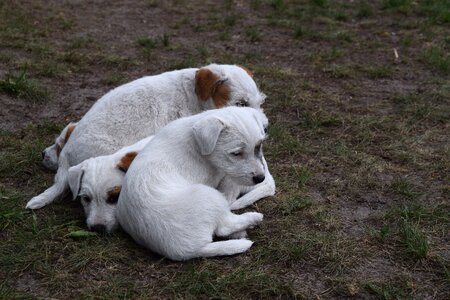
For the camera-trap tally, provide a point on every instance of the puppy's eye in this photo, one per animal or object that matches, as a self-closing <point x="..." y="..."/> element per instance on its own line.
<point x="112" y="199"/>
<point x="242" y="103"/>
<point x="238" y="153"/>
<point x="85" y="199"/>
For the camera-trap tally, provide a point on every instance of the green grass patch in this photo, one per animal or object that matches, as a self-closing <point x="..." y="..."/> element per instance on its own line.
<point x="20" y="86"/>
<point x="207" y="280"/>
<point x="404" y="188"/>
<point x="437" y="58"/>
<point x="253" y="34"/>
<point x="386" y="291"/>
<point x="296" y="203"/>
<point x="413" y="239"/>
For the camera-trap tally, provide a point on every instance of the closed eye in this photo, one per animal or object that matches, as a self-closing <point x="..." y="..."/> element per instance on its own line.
<point x="85" y="199"/>
<point x="242" y="103"/>
<point x="238" y="153"/>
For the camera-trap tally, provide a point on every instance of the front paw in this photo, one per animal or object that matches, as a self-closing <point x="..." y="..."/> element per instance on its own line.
<point x="36" y="203"/>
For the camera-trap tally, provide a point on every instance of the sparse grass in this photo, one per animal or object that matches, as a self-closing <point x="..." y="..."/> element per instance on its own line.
<point x="20" y="86"/>
<point x="403" y="187"/>
<point x="413" y="239"/>
<point x="254" y="34"/>
<point x="386" y="291"/>
<point x="206" y="280"/>
<point x="361" y="164"/>
<point x="340" y="71"/>
<point x="297" y="202"/>
<point x="437" y="58"/>
<point x="377" y="72"/>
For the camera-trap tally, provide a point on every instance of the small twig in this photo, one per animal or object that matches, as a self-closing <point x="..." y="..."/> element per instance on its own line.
<point x="396" y="54"/>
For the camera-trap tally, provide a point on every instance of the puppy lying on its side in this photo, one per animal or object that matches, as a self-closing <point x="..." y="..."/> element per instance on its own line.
<point x="97" y="182"/>
<point x="168" y="201"/>
<point x="50" y="155"/>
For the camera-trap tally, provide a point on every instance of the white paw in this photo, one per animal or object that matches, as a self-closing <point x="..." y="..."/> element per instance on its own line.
<point x="36" y="202"/>
<point x="255" y="218"/>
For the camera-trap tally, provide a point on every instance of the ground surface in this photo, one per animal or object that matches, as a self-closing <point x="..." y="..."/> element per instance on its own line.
<point x="358" y="99"/>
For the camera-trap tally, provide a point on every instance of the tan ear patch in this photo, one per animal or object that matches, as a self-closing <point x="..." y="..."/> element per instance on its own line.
<point x="250" y="73"/>
<point x="221" y="95"/>
<point x="205" y="81"/>
<point x="126" y="161"/>
<point x="69" y="131"/>
<point x="208" y="84"/>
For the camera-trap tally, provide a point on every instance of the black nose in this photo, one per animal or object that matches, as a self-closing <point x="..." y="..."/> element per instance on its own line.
<point x="258" y="179"/>
<point x="43" y="154"/>
<point x="99" y="228"/>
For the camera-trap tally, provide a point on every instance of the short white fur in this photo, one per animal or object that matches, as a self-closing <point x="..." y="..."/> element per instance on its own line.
<point x="168" y="201"/>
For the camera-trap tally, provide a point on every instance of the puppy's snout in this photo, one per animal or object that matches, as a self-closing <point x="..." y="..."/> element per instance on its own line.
<point x="258" y="179"/>
<point x="43" y="154"/>
<point x="100" y="228"/>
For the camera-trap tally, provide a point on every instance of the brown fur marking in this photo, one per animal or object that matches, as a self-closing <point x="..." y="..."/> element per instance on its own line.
<point x="69" y="132"/>
<point x="126" y="161"/>
<point x="208" y="84"/>
<point x="221" y="95"/>
<point x="113" y="194"/>
<point x="205" y="80"/>
<point x="250" y="73"/>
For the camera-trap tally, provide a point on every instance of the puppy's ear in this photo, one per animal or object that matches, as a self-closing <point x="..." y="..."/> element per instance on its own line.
<point x="69" y="131"/>
<point x="126" y="161"/>
<point x="205" y="81"/>
<point x="206" y="134"/>
<point x="250" y="73"/>
<point x="208" y="84"/>
<point x="74" y="177"/>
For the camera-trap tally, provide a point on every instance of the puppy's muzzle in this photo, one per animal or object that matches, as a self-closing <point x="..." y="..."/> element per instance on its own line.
<point x="100" y="228"/>
<point x="43" y="154"/>
<point x="258" y="179"/>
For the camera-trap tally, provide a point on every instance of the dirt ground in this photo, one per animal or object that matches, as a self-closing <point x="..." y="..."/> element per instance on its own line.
<point x="359" y="110"/>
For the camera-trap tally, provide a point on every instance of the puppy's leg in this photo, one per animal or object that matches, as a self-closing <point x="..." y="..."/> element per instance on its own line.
<point x="230" y="189"/>
<point x="262" y="190"/>
<point x="51" y="194"/>
<point x="231" y="223"/>
<point x="221" y="248"/>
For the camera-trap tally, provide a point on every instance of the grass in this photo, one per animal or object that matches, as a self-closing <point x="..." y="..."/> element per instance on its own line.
<point x="20" y="86"/>
<point x="357" y="145"/>
<point x="196" y="281"/>
<point x="438" y="59"/>
<point x="413" y="240"/>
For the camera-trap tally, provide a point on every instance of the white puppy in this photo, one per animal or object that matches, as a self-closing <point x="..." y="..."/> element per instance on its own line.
<point x="97" y="182"/>
<point x="50" y="156"/>
<point x="168" y="201"/>
<point x="138" y="109"/>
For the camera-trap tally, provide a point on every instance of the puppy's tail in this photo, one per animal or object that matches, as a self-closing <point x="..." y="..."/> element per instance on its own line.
<point x="57" y="190"/>
<point x="229" y="247"/>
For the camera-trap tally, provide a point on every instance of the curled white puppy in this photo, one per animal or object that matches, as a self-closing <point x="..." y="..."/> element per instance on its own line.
<point x="50" y="155"/>
<point x="138" y="109"/>
<point x="97" y="182"/>
<point x="168" y="201"/>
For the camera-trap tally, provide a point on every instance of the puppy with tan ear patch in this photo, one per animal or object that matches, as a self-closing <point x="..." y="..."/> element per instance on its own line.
<point x="50" y="155"/>
<point x="97" y="183"/>
<point x="140" y="108"/>
<point x="169" y="202"/>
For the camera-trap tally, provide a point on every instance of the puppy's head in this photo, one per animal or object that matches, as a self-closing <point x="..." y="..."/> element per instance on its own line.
<point x="97" y="183"/>
<point x="50" y="156"/>
<point x="227" y="85"/>
<point x="232" y="142"/>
